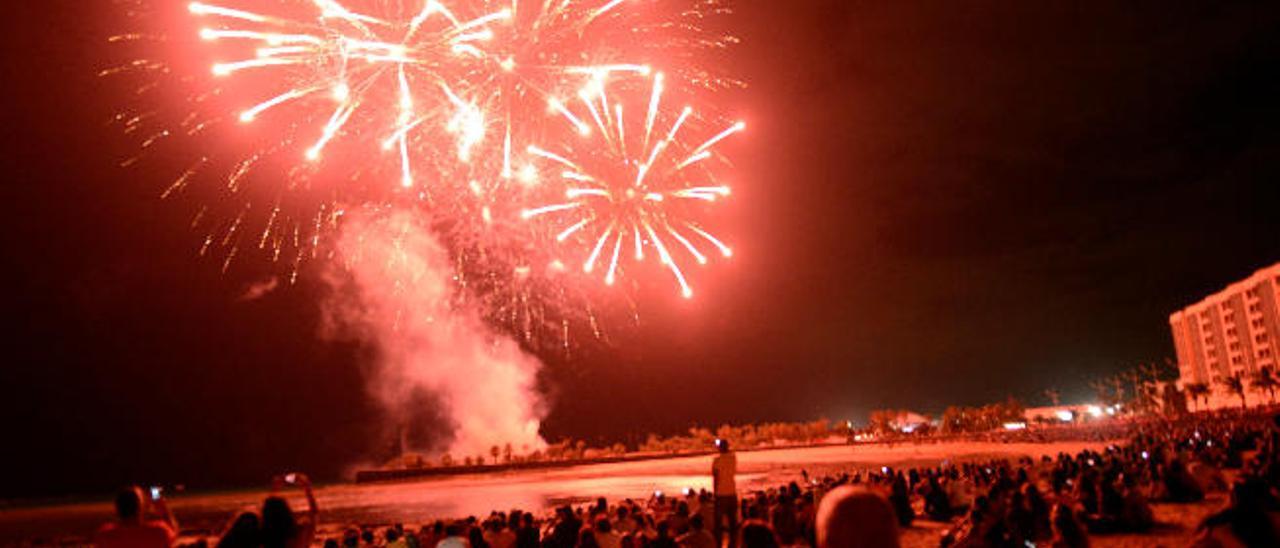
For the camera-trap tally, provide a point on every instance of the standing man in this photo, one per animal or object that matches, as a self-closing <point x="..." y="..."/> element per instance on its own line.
<point x="723" y="470"/>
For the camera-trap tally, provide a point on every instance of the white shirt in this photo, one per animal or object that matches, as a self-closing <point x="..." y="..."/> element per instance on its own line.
<point x="454" y="542"/>
<point x="723" y="469"/>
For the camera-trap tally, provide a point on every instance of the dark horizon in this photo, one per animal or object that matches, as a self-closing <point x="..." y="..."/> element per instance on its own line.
<point x="935" y="204"/>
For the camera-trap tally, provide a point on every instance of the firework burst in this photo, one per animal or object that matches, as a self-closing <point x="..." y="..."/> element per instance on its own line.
<point x="466" y="111"/>
<point x="385" y="64"/>
<point x="632" y="186"/>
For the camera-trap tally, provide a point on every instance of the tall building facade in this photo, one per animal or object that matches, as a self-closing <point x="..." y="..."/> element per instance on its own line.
<point x="1233" y="331"/>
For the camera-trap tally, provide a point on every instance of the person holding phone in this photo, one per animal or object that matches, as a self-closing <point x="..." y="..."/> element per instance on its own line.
<point x="132" y="528"/>
<point x="280" y="528"/>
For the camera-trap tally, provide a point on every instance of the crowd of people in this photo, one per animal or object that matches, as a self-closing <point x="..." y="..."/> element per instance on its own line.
<point x="1060" y="501"/>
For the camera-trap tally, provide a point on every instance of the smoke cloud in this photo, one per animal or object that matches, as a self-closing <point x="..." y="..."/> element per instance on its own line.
<point x="447" y="381"/>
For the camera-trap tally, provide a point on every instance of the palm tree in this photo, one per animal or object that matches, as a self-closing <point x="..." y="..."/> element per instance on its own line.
<point x="1198" y="390"/>
<point x="1234" y="383"/>
<point x="1264" y="379"/>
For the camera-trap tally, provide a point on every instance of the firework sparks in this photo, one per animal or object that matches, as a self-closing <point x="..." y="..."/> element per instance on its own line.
<point x="637" y="189"/>
<point x="304" y="110"/>
<point x="352" y="60"/>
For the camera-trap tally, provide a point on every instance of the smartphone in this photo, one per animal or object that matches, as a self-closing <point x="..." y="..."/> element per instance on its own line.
<point x="884" y="469"/>
<point x="156" y="491"/>
<point x="291" y="478"/>
<point x="657" y="494"/>
<point x="687" y="491"/>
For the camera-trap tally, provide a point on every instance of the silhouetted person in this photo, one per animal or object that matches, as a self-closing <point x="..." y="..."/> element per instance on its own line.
<point x="900" y="498"/>
<point x="758" y="534"/>
<point x="1067" y="530"/>
<point x="476" y="537"/>
<point x="697" y="537"/>
<point x="604" y="534"/>
<point x="587" y="539"/>
<point x="131" y="527"/>
<point x="663" y="540"/>
<point x="850" y="517"/>
<point x="280" y="528"/>
<point x="527" y="536"/>
<point x="245" y="532"/>
<point x="453" y="536"/>
<point x="724" y="469"/>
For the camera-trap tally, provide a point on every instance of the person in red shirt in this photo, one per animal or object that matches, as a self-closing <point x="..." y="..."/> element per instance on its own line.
<point x="132" y="528"/>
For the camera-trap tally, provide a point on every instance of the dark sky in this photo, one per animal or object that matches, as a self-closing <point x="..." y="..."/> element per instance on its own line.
<point x="938" y="203"/>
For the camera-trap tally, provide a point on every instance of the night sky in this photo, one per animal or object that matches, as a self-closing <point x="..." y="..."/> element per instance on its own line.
<point x="937" y="203"/>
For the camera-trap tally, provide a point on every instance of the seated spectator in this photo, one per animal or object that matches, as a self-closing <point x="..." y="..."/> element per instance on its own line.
<point x="280" y="528"/>
<point x="475" y="536"/>
<point x="758" y="534"/>
<point x="937" y="504"/>
<point x="1253" y="519"/>
<point x="499" y="535"/>
<point x="428" y="536"/>
<point x="1208" y="476"/>
<point x="1067" y="530"/>
<point x="849" y="517"/>
<point x="351" y="537"/>
<point x="1180" y="485"/>
<point x="244" y="532"/>
<point x="1042" y="527"/>
<point x="527" y="536"/>
<point x="782" y="517"/>
<point x="453" y="536"/>
<point x="605" y="537"/>
<point x="698" y="536"/>
<point x="663" y="538"/>
<point x="394" y="538"/>
<point x="1136" y="513"/>
<point x="132" y="528"/>
<point x="587" y="539"/>
<point x="565" y="532"/>
<point x="899" y="497"/>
